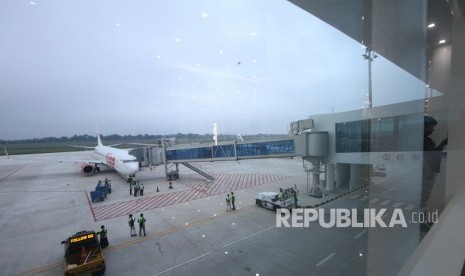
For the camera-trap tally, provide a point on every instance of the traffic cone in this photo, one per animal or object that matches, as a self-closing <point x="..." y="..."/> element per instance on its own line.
<point x="158" y="189"/>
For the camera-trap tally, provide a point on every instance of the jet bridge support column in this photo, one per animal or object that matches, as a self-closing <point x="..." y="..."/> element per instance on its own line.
<point x="168" y="174"/>
<point x="313" y="147"/>
<point x="163" y="150"/>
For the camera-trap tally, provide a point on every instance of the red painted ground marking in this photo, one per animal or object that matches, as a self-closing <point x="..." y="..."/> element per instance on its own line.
<point x="182" y="196"/>
<point x="224" y="183"/>
<point x="152" y="203"/>
<point x="90" y="206"/>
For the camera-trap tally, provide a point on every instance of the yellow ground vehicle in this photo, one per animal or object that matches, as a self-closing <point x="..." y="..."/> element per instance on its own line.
<point x="83" y="255"/>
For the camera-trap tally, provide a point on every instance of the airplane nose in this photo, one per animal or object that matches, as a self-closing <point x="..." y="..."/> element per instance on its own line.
<point x="134" y="168"/>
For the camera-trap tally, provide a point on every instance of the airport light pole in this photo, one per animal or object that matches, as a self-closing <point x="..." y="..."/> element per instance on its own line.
<point x="369" y="56"/>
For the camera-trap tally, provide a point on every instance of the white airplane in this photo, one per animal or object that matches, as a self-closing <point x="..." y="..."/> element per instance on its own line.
<point x="117" y="159"/>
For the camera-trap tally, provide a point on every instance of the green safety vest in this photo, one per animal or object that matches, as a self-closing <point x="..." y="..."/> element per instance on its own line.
<point x="141" y="220"/>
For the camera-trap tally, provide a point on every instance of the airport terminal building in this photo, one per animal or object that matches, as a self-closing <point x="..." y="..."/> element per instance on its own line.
<point x="363" y="143"/>
<point x="370" y="158"/>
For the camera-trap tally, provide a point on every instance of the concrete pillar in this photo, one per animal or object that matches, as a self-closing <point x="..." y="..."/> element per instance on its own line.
<point x="330" y="177"/>
<point x="355" y="176"/>
<point x="343" y="175"/>
<point x="315" y="180"/>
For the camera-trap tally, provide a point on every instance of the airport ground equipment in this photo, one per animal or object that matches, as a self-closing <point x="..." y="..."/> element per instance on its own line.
<point x="271" y="201"/>
<point x="172" y="175"/>
<point x="104" y="186"/>
<point x="83" y="255"/>
<point x="101" y="191"/>
<point x="96" y="196"/>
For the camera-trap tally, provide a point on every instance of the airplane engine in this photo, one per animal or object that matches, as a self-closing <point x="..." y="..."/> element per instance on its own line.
<point x="87" y="168"/>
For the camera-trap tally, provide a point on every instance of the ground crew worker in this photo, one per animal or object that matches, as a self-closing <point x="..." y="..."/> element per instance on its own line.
<point x="280" y="194"/>
<point x="103" y="237"/>
<point x="294" y="194"/>
<point x="141" y="189"/>
<point x="228" y="203"/>
<point x="141" y="220"/>
<point x="137" y="188"/>
<point x="131" y="186"/>
<point x="131" y="221"/>
<point x="233" y="199"/>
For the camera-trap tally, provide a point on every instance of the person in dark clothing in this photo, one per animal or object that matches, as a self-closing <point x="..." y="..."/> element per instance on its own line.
<point x="141" y="220"/>
<point x="233" y="200"/>
<point x="294" y="195"/>
<point x="431" y="161"/>
<point x="103" y="236"/>
<point x="131" y="221"/>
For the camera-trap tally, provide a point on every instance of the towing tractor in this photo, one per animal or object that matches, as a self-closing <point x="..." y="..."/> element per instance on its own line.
<point x="83" y="255"/>
<point x="270" y="200"/>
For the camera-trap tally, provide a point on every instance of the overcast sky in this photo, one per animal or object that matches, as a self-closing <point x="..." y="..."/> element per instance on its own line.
<point x="169" y="66"/>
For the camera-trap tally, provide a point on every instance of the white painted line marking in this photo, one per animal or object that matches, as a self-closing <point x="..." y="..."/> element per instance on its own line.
<point x="397" y="205"/>
<point x="184" y="263"/>
<point x="206" y="254"/>
<point x="386" y="202"/>
<point x="360" y="234"/>
<point x="249" y="236"/>
<point x="325" y="259"/>
<point x="374" y="200"/>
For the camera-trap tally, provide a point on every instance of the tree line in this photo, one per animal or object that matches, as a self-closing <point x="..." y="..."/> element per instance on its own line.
<point x="180" y="137"/>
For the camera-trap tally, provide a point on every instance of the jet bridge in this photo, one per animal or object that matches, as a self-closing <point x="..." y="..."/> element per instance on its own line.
<point x="165" y="153"/>
<point x="311" y="146"/>
<point x="148" y="156"/>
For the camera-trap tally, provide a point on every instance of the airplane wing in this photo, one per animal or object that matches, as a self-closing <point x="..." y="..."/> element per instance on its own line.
<point x="20" y="158"/>
<point x="81" y="147"/>
<point x="77" y="161"/>
<point x="59" y="160"/>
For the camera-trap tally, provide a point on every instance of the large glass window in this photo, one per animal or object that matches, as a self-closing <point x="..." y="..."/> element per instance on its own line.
<point x="390" y="134"/>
